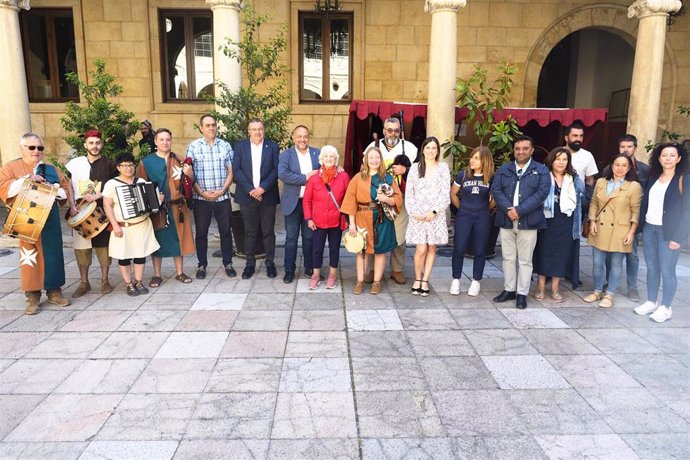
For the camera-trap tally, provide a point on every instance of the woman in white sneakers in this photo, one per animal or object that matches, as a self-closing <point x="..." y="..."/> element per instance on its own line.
<point x="665" y="226"/>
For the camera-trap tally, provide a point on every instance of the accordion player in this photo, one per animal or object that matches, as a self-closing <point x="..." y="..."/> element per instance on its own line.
<point x="138" y="199"/>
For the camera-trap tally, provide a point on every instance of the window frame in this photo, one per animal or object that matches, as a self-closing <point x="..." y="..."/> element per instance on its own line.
<point x="188" y="16"/>
<point x="325" y="52"/>
<point x="51" y="45"/>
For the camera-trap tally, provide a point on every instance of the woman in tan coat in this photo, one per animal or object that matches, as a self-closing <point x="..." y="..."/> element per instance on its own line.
<point x="613" y="216"/>
<point x="362" y="204"/>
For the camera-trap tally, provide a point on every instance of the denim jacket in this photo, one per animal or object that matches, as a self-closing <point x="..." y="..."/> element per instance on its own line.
<point x="535" y="184"/>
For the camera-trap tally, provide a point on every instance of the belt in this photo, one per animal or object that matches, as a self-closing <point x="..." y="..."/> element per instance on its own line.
<point x="368" y="207"/>
<point x="177" y="202"/>
<point x="131" y="224"/>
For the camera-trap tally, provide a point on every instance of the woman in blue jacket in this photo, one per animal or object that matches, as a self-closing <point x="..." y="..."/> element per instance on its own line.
<point x="665" y="225"/>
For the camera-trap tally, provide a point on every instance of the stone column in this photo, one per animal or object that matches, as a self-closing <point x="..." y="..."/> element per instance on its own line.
<point x="645" y="90"/>
<point x="15" y="118"/>
<point x="443" y="57"/>
<point x="226" y="24"/>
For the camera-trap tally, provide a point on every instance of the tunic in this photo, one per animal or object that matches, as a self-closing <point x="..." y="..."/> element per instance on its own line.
<point x="82" y="172"/>
<point x="137" y="240"/>
<point x="362" y="192"/>
<point x="176" y="239"/>
<point x="42" y="265"/>
<point x="423" y="195"/>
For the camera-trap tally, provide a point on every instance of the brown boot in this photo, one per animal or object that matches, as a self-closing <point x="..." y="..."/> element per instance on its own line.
<point x="56" y="298"/>
<point x="82" y="289"/>
<point x="106" y="288"/>
<point x="33" y="300"/>
<point x="375" y="288"/>
<point x="398" y="277"/>
<point x="359" y="288"/>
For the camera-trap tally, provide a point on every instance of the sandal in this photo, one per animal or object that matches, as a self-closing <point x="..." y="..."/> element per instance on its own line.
<point x="424" y="292"/>
<point x="417" y="291"/>
<point x="182" y="278"/>
<point x="555" y="295"/>
<point x="539" y="295"/>
<point x="155" y="282"/>
<point x="131" y="290"/>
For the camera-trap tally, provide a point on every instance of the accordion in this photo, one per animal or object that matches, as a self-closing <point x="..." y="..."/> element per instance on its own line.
<point x="138" y="199"/>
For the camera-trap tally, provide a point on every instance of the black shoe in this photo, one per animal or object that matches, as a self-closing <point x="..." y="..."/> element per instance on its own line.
<point x="271" y="271"/>
<point x="201" y="273"/>
<point x="248" y="272"/>
<point x="521" y="302"/>
<point x="289" y="277"/>
<point x="505" y="296"/>
<point x="230" y="271"/>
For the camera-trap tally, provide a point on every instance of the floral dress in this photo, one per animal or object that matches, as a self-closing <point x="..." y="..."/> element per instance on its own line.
<point x="423" y="195"/>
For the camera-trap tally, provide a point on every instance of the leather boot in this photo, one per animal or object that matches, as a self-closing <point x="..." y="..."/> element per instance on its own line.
<point x="106" y="287"/>
<point x="82" y="289"/>
<point x="398" y="277"/>
<point x="33" y="300"/>
<point x="56" y="298"/>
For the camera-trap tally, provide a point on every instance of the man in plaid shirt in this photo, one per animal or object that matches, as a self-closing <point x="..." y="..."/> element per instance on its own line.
<point x="212" y="164"/>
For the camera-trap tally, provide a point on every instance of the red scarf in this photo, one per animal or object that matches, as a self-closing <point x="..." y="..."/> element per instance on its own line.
<point x="327" y="174"/>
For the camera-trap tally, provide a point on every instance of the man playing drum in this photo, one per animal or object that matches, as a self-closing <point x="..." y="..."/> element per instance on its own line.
<point x="88" y="175"/>
<point x="41" y="263"/>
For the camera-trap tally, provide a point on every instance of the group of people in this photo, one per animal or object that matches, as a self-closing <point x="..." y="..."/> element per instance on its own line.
<point x="398" y="197"/>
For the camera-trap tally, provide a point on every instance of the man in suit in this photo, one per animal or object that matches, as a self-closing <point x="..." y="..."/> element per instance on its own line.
<point x="295" y="166"/>
<point x="256" y="176"/>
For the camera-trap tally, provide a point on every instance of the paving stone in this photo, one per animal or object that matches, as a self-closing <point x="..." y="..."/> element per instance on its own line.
<point x="672" y="340"/>
<point x="130" y="345"/>
<point x="533" y="318"/>
<point x="149" y="417"/>
<point x="96" y="320"/>
<point x="170" y="301"/>
<point x="245" y="375"/>
<point x="384" y="373"/>
<point x="43" y="450"/>
<point x="66" y="418"/>
<point x="559" y="342"/>
<point x="14" y="408"/>
<point x="617" y="341"/>
<point x="314" y="415"/>
<point x="591" y="371"/>
<point x="469" y="447"/>
<point x="71" y="345"/>
<point x="384" y="414"/>
<point x="46" y="321"/>
<point x="318" y="301"/>
<point x="679" y="402"/>
<point x="262" y="320"/>
<point x="660" y="445"/>
<point x="440" y="343"/>
<point x="425" y="320"/>
<point x="214" y="301"/>
<point x="456" y="373"/>
<point x="232" y="416"/>
<point x="242" y="449"/>
<point x="254" y="345"/>
<point x="177" y="375"/>
<point x="373" y="320"/>
<point x="513" y="447"/>
<point x="113" y="376"/>
<point x="342" y="449"/>
<point x="585" y="446"/>
<point x="193" y="345"/>
<point x="419" y="448"/>
<point x="379" y="343"/>
<point x="317" y="320"/>
<point x="499" y="342"/>
<point x="205" y="320"/>
<point x="150" y="321"/>
<point x="655" y="371"/>
<point x="5" y="363"/>
<point x="523" y="372"/>
<point x="384" y="300"/>
<point x="143" y="450"/>
<point x="325" y="344"/>
<point x="486" y="318"/>
<point x="585" y="318"/>
<point x="315" y="375"/>
<point x="108" y="302"/>
<point x="36" y="376"/>
<point x="262" y="301"/>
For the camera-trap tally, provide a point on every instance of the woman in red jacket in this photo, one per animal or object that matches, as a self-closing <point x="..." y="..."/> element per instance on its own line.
<point x="322" y="199"/>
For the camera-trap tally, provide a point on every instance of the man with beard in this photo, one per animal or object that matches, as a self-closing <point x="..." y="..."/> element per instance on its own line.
<point x="88" y="175"/>
<point x="391" y="147"/>
<point x="582" y="160"/>
<point x="148" y="137"/>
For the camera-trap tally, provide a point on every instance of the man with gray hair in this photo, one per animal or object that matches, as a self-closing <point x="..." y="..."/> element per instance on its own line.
<point x="41" y="264"/>
<point x="398" y="156"/>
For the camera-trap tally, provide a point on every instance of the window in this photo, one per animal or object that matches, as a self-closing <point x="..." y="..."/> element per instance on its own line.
<point x="325" y="60"/>
<point x="187" y="41"/>
<point x="49" y="54"/>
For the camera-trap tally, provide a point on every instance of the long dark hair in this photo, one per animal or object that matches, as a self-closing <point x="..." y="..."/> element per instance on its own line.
<point x="655" y="164"/>
<point x="422" y="159"/>
<point x="632" y="172"/>
<point x="555" y="153"/>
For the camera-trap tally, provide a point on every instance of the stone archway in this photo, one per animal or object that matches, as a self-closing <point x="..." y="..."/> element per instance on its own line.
<point x="612" y="18"/>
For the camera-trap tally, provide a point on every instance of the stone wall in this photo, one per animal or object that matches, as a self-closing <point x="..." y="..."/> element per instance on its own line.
<point x="390" y="54"/>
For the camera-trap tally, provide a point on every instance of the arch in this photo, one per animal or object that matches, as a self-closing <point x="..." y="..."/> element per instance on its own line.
<point x="612" y="18"/>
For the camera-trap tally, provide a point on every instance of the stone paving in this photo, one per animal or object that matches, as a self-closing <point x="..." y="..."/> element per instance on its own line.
<point x="225" y="368"/>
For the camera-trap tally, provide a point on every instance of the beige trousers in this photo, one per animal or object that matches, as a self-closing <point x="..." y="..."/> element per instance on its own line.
<point x="83" y="257"/>
<point x="517" y="247"/>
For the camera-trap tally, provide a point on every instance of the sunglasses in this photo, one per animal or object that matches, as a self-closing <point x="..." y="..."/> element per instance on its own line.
<point x="34" y="147"/>
<point x="391" y="131"/>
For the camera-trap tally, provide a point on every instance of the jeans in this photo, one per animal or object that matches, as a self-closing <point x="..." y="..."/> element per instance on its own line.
<point x="203" y="212"/>
<point x="599" y="261"/>
<point x="632" y="265"/>
<point x="471" y="227"/>
<point x="294" y="225"/>
<point x="334" y="236"/>
<point x="661" y="264"/>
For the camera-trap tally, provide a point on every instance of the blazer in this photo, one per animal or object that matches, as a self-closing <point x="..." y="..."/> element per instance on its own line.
<point x="290" y="173"/>
<point x="676" y="218"/>
<point x="242" y="169"/>
<point x="535" y="184"/>
<point x="613" y="223"/>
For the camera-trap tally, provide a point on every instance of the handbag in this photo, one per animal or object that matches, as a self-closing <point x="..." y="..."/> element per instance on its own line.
<point x="160" y="219"/>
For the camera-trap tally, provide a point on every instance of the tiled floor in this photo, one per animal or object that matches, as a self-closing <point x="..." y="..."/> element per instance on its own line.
<point x="225" y="368"/>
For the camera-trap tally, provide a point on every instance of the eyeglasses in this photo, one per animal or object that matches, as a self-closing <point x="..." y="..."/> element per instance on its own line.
<point x="34" y="147"/>
<point x="391" y="130"/>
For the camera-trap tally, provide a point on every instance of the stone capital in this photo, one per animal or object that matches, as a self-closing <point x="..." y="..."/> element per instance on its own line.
<point x="24" y="4"/>
<point x="236" y="4"/>
<point x="642" y="8"/>
<point x="432" y="6"/>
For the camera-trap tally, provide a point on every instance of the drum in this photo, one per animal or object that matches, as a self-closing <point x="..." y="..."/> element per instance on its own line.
<point x="89" y="221"/>
<point x="30" y="211"/>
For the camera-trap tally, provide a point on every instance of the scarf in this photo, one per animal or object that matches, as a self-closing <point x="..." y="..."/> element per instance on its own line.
<point x="568" y="199"/>
<point x="327" y="174"/>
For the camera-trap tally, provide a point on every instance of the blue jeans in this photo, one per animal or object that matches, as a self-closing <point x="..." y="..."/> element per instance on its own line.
<point x="614" y="275"/>
<point x="661" y="264"/>
<point x="294" y="224"/>
<point x="632" y="264"/>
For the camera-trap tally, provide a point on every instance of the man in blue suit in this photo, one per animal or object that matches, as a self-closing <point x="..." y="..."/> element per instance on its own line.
<point x="256" y="176"/>
<point x="295" y="166"/>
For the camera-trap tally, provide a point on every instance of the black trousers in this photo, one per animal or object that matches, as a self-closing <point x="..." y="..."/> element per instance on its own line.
<point x="259" y="216"/>
<point x="203" y="212"/>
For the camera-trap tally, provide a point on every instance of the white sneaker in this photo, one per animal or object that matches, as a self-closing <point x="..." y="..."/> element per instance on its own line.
<point x="474" y="289"/>
<point x="662" y="314"/>
<point x="646" y="308"/>
<point x="455" y="287"/>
